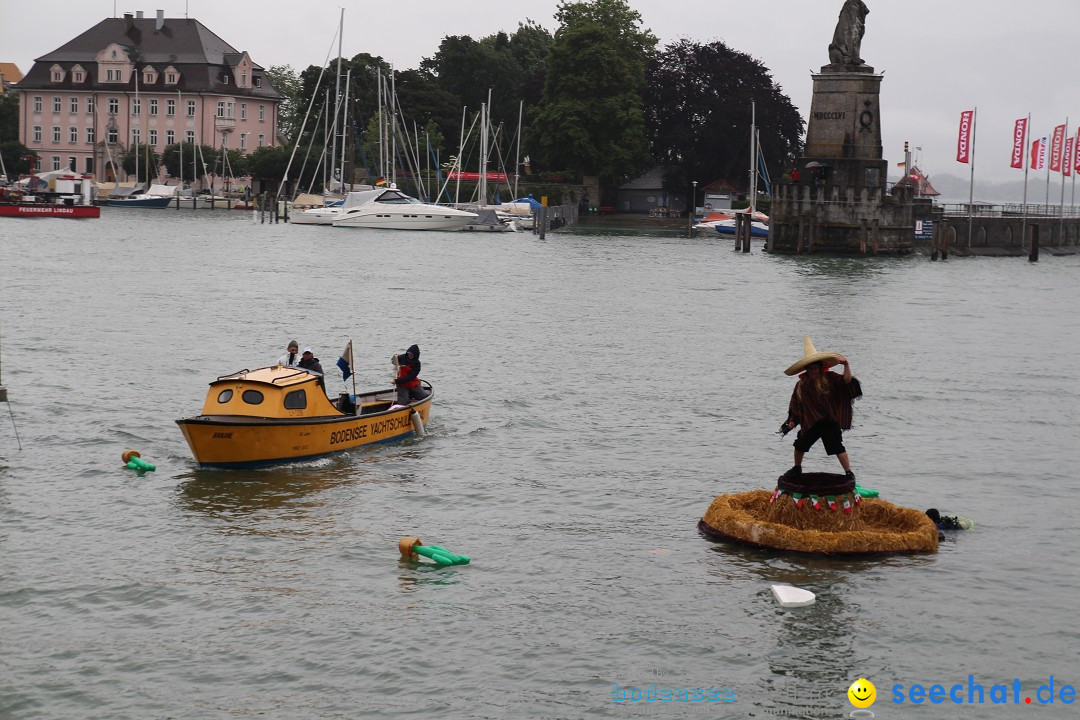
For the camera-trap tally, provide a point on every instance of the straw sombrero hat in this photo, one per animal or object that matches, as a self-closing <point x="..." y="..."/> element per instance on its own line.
<point x="811" y="356"/>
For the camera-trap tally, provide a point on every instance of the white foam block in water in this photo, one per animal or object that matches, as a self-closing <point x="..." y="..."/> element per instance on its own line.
<point x="790" y="596"/>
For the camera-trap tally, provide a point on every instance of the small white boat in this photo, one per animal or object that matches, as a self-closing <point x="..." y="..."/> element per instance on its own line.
<point x="327" y="214"/>
<point x="394" y="210"/>
<point x="490" y="220"/>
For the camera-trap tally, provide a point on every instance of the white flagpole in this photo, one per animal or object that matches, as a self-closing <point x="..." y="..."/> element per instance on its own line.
<point x="1061" y="207"/>
<point x="352" y="369"/>
<point x="1023" y="151"/>
<point x="971" y="184"/>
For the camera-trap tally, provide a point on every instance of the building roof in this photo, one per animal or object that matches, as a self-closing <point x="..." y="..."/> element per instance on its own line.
<point x="187" y="45"/>
<point x="919" y="181"/>
<point x="9" y="73"/>
<point x="649" y="180"/>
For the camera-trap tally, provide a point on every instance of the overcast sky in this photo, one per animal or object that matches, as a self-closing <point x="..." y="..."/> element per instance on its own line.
<point x="939" y="57"/>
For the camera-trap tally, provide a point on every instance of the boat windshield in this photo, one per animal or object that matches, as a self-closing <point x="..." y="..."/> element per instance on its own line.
<point x="395" y="197"/>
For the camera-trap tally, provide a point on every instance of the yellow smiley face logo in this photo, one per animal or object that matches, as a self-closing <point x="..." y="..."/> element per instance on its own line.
<point x="862" y="693"/>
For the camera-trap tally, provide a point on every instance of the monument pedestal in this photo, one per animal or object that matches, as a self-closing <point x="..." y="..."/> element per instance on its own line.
<point x="839" y="202"/>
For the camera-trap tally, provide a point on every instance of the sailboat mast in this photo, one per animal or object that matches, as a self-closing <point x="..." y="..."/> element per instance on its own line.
<point x="393" y="127"/>
<point x="457" y="160"/>
<point x="337" y="95"/>
<point x="140" y="125"/>
<point x="344" y="126"/>
<point x="517" y="155"/>
<point x="753" y="159"/>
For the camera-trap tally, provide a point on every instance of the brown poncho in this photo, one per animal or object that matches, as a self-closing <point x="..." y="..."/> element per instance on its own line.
<point x="829" y="398"/>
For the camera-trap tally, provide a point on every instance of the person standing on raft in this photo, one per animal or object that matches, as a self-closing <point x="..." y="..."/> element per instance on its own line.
<point x="821" y="404"/>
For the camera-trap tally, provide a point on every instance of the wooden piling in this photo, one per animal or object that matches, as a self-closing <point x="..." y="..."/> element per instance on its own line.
<point x="1034" y="255"/>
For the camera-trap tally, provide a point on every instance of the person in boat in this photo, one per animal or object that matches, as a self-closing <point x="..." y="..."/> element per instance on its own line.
<point x="309" y="362"/>
<point x="822" y="405"/>
<point x="408" y="376"/>
<point x="292" y="355"/>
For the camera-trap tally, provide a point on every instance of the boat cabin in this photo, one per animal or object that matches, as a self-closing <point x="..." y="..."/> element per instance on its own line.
<point x="272" y="392"/>
<point x="284" y="393"/>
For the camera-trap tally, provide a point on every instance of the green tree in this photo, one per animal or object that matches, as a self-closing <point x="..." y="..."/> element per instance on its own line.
<point x="697" y="113"/>
<point x="290" y="112"/>
<point x="9" y="116"/>
<point x="142" y="161"/>
<point x="192" y="156"/>
<point x="16" y="160"/>
<point x="591" y="118"/>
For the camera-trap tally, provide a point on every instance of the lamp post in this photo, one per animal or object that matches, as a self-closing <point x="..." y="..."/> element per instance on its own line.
<point x="693" y="207"/>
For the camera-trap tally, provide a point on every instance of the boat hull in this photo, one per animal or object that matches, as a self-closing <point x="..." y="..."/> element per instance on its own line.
<point x="419" y="221"/>
<point x="246" y="442"/>
<point x="30" y="210"/>
<point x="147" y="202"/>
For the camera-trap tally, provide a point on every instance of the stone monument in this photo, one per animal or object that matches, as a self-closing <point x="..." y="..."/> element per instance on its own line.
<point x="836" y="201"/>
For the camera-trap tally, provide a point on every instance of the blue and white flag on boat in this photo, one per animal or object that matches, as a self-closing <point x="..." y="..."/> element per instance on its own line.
<point x="345" y="362"/>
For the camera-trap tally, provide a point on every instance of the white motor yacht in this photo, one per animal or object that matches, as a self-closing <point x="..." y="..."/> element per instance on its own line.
<point x="392" y="209"/>
<point x="327" y="214"/>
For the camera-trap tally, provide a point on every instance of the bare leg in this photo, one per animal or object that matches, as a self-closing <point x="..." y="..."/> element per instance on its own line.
<point x="843" y="458"/>
<point x="798" y="458"/>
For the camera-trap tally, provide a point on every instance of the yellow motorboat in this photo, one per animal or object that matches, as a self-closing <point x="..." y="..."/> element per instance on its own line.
<point x="279" y="414"/>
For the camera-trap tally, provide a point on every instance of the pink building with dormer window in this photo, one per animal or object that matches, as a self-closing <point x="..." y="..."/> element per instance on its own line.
<point x="156" y="81"/>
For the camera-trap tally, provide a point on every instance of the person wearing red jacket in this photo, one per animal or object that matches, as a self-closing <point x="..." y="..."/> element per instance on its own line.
<point x="408" y="380"/>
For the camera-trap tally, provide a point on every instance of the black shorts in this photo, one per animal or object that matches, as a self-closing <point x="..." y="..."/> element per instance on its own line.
<point x="829" y="432"/>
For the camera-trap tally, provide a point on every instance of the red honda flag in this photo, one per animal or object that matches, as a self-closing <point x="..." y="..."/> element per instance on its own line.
<point x="1076" y="145"/>
<point x="963" y="143"/>
<point x="1019" y="141"/>
<point x="1056" y="145"/>
<point x="1066" y="167"/>
<point x="1038" y="153"/>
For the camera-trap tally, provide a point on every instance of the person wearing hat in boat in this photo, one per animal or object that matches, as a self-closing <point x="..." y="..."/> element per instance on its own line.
<point x="309" y="362"/>
<point x="291" y="357"/>
<point x="408" y="380"/>
<point x="821" y="404"/>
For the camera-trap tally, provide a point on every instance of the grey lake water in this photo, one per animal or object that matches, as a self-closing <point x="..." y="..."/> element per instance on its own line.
<point x="595" y="391"/>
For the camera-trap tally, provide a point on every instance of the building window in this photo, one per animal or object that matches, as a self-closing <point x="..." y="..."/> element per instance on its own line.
<point x="114" y="76"/>
<point x="243" y="81"/>
<point x="90" y="135"/>
<point x="153" y="108"/>
<point x="55" y="162"/>
<point x="189" y="137"/>
<point x="74" y="105"/>
<point x="262" y="140"/>
<point x="170" y="137"/>
<point x="225" y="79"/>
<point x="262" y="113"/>
<point x="37" y="133"/>
<point x="57" y="76"/>
<point x="136" y="107"/>
<point x="73" y="135"/>
<point x="56" y="134"/>
<point x="37" y="103"/>
<point x="243" y="111"/>
<point x="56" y="105"/>
<point x="148" y="78"/>
<point x="114" y="106"/>
<point x="90" y="105"/>
<point x="153" y="138"/>
<point x="114" y="136"/>
<point x="78" y="77"/>
<point x="89" y="166"/>
<point x="191" y="108"/>
<point x="221" y="108"/>
<point x="243" y="141"/>
<point x="170" y="107"/>
<point x="72" y="163"/>
<point x="171" y="78"/>
<point x="136" y="136"/>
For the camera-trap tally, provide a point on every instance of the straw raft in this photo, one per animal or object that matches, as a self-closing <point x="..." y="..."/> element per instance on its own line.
<point x="764" y="519"/>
